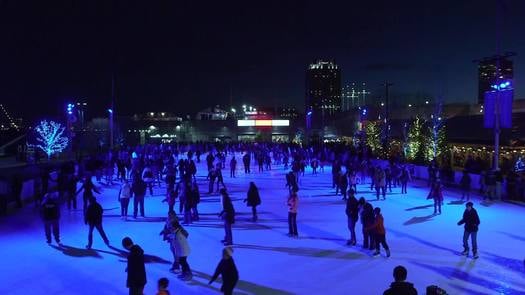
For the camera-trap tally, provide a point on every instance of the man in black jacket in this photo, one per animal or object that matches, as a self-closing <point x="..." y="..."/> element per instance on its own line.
<point x="352" y="212"/>
<point x="51" y="216"/>
<point x="471" y="221"/>
<point x="136" y="269"/>
<point x="94" y="220"/>
<point x="399" y="286"/>
<point x="138" y="188"/>
<point x="228" y="272"/>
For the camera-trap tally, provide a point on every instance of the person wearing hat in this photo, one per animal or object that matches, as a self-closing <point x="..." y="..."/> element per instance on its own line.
<point x="51" y="216"/>
<point x="228" y="271"/>
<point x="471" y="221"/>
<point x="228" y="215"/>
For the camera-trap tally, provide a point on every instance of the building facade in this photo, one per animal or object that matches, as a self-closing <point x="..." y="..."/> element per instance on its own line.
<point x="487" y="74"/>
<point x="323" y="90"/>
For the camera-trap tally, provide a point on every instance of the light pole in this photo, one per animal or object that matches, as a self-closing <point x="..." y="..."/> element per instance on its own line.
<point x="110" y="111"/>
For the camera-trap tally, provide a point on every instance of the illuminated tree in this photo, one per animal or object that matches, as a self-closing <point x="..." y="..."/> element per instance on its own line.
<point x="437" y="139"/>
<point x="416" y="141"/>
<point x="50" y="137"/>
<point x="373" y="137"/>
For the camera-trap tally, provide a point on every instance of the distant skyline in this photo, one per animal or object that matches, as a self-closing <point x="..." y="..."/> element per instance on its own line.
<point x="183" y="57"/>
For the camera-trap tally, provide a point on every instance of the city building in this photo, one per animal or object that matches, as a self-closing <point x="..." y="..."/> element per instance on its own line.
<point x="353" y="95"/>
<point x="323" y="90"/>
<point x="487" y="74"/>
<point x="289" y="113"/>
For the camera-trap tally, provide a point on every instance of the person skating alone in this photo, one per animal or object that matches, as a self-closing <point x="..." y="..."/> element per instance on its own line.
<point x="352" y="213"/>
<point x="378" y="229"/>
<point x="471" y="221"/>
<point x="138" y="187"/>
<point x="293" y="203"/>
<point x="233" y="166"/>
<point x="228" y="271"/>
<point x="399" y="286"/>
<point x="436" y="193"/>
<point x="94" y="220"/>
<point x="51" y="217"/>
<point x="253" y="199"/>
<point x="228" y="215"/>
<point x="136" y="278"/>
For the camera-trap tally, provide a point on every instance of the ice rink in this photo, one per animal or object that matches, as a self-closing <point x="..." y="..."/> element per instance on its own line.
<point x="269" y="262"/>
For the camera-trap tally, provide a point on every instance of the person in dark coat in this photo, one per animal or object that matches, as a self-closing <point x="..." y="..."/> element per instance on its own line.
<point x="465" y="185"/>
<point x="399" y="286"/>
<point x="367" y="219"/>
<point x="233" y="166"/>
<point x="228" y="272"/>
<point x="253" y="199"/>
<point x="352" y="212"/>
<point x="136" y="269"/>
<point x="94" y="220"/>
<point x="51" y="217"/>
<point x="228" y="214"/>
<point x="138" y="188"/>
<point x="246" y="161"/>
<point x="471" y="221"/>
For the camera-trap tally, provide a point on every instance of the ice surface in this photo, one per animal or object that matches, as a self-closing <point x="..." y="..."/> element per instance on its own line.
<point x="269" y="262"/>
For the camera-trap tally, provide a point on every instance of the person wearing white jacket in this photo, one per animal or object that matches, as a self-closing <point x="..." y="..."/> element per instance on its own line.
<point x="179" y="238"/>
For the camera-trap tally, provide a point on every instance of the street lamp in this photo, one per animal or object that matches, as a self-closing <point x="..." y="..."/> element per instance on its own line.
<point x="409" y="105"/>
<point x="110" y="111"/>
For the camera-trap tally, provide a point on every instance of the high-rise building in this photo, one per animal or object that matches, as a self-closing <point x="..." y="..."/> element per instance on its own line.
<point x="354" y="96"/>
<point x="487" y="74"/>
<point x="323" y="89"/>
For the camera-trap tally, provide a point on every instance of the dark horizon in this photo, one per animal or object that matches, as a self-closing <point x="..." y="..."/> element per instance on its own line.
<point x="166" y="55"/>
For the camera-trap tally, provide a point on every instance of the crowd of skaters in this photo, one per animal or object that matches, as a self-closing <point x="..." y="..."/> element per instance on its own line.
<point x="153" y="165"/>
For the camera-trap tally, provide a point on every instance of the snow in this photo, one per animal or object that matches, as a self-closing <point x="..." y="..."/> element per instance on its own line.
<point x="269" y="262"/>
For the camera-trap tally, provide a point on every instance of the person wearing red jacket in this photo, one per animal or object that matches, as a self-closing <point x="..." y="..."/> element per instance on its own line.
<point x="378" y="229"/>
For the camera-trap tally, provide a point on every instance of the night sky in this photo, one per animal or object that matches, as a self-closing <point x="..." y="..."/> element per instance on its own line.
<point x="188" y="55"/>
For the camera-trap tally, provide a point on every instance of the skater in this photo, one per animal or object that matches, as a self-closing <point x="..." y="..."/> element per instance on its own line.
<point x="465" y="185"/>
<point x="380" y="182"/>
<point x="168" y="236"/>
<point x="94" y="220"/>
<point x="405" y="176"/>
<point x="162" y="286"/>
<point x="471" y="221"/>
<point x="136" y="269"/>
<point x="246" y="161"/>
<point x="399" y="286"/>
<point x="171" y="198"/>
<point x="293" y="202"/>
<point x="343" y="185"/>
<point x="51" y="217"/>
<point x="220" y="179"/>
<point x="228" y="272"/>
<point x="436" y="193"/>
<point x="195" y="199"/>
<point x="228" y="215"/>
<point x="367" y="219"/>
<point x="233" y="166"/>
<point x="123" y="197"/>
<point x="379" y="232"/>
<point x="180" y="239"/>
<point x="253" y="200"/>
<point x="88" y="188"/>
<point x="148" y="178"/>
<point x="138" y="187"/>
<point x="212" y="175"/>
<point x="353" y="181"/>
<point x="352" y="213"/>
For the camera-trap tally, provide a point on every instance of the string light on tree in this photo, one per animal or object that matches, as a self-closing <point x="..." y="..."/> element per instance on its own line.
<point x="50" y="137"/>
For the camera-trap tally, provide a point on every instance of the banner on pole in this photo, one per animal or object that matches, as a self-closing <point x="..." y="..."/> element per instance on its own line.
<point x="504" y="99"/>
